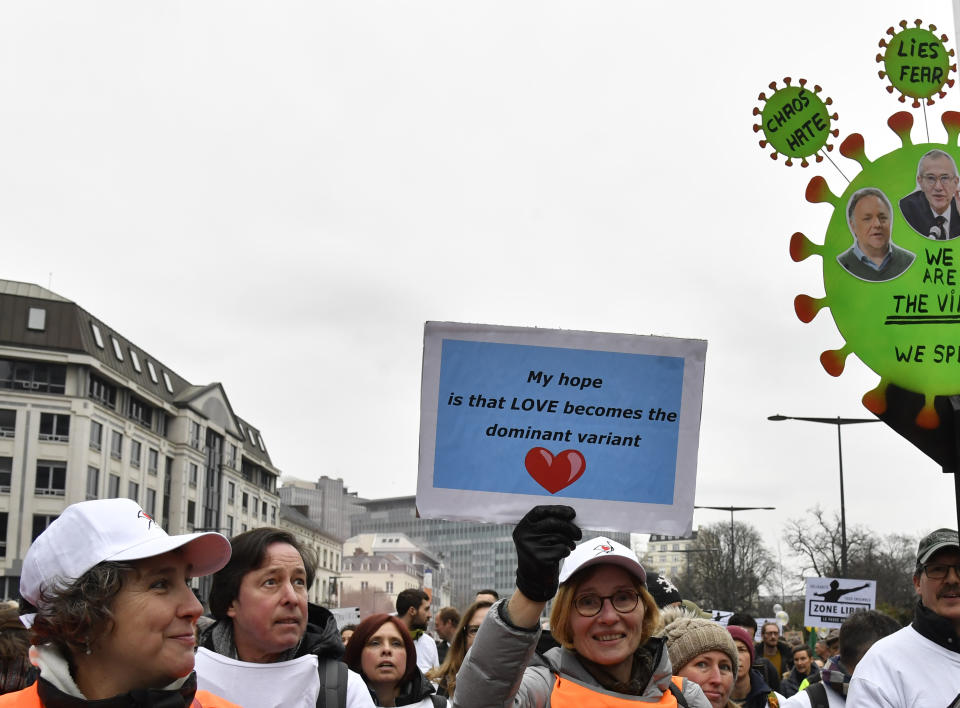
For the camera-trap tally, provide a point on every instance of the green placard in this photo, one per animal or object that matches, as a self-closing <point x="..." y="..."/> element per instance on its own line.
<point x="795" y="121"/>
<point x="916" y="62"/>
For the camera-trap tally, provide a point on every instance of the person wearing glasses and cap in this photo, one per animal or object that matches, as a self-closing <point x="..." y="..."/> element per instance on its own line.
<point x="919" y="665"/>
<point x="106" y="594"/>
<point x="602" y="616"/>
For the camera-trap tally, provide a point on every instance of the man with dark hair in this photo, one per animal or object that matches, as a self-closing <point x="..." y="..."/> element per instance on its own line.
<point x="804" y="668"/>
<point x="774" y="649"/>
<point x="857" y="634"/>
<point x="920" y="664"/>
<point x="766" y="669"/>
<point x="446" y="625"/>
<point x="413" y="609"/>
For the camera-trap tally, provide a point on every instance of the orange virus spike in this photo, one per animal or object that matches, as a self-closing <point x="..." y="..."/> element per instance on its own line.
<point x="801" y="247"/>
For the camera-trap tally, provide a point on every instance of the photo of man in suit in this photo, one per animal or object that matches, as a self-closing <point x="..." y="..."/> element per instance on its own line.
<point x="932" y="209"/>
<point x="873" y="256"/>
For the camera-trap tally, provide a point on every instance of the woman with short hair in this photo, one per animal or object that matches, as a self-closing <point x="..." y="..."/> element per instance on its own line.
<point x="111" y="610"/>
<point x="382" y="651"/>
<point x="602" y="616"/>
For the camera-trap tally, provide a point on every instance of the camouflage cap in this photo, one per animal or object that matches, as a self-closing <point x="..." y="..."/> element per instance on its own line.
<point x="941" y="538"/>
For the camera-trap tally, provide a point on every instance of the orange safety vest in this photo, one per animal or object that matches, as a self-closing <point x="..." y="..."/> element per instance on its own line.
<point x="568" y="693"/>
<point x="30" y="698"/>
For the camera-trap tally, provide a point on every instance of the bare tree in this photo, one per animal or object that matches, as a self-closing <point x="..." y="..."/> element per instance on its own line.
<point x="729" y="570"/>
<point x="887" y="559"/>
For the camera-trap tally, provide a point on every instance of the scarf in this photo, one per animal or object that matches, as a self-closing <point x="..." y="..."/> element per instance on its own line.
<point x="936" y="628"/>
<point x="835" y="676"/>
<point x="640" y="674"/>
<point x="221" y="636"/>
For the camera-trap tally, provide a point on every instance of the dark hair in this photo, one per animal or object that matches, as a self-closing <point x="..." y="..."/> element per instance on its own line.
<point x="411" y="597"/>
<point x="362" y="634"/>
<point x="76" y="617"/>
<point x="859" y="632"/>
<point x="249" y="549"/>
<point x="447" y="671"/>
<point x="802" y="647"/>
<point x="742" y="619"/>
<point x="489" y="591"/>
<point x="448" y="614"/>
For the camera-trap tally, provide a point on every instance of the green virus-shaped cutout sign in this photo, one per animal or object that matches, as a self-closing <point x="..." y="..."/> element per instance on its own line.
<point x="795" y="121"/>
<point x="902" y="320"/>
<point x="916" y="62"/>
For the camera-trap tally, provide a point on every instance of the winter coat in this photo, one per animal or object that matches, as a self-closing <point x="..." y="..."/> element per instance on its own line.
<point x="44" y="694"/>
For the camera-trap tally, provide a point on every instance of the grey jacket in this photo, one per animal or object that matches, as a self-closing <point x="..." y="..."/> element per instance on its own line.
<point x="497" y="671"/>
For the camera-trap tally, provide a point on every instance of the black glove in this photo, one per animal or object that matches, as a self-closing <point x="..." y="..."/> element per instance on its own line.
<point x="544" y="537"/>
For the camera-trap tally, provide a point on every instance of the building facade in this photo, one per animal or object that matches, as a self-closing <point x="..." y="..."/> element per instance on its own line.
<point x="326" y="502"/>
<point x="669" y="555"/>
<point x="474" y="555"/>
<point x="325" y="549"/>
<point x="87" y="414"/>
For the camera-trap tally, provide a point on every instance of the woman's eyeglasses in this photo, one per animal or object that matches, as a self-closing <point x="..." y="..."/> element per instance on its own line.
<point x="623" y="601"/>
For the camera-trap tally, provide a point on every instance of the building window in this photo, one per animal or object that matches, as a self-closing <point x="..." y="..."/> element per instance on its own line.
<point x="255" y="507"/>
<point x="133" y="491"/>
<point x="245" y="501"/>
<point x="195" y="435"/>
<point x="191" y="514"/>
<point x="364" y="584"/>
<point x="193" y="474"/>
<point x="51" y="478"/>
<point x="3" y="534"/>
<point x="55" y="426"/>
<point x="135" y="360"/>
<point x="96" y="435"/>
<point x="244" y="527"/>
<point x="140" y="411"/>
<point x="97" y="337"/>
<point x="232" y="456"/>
<point x="324" y="557"/>
<point x="93" y="482"/>
<point x="36" y="320"/>
<point x="40" y="523"/>
<point x="33" y="376"/>
<point x="118" y="352"/>
<point x="263" y="514"/>
<point x="166" y="382"/>
<point x="388" y="586"/>
<point x="152" y="371"/>
<point x="136" y="451"/>
<point x="6" y="474"/>
<point x="153" y="460"/>
<point x="8" y="423"/>
<point x="113" y="486"/>
<point x="273" y="515"/>
<point x="116" y="445"/>
<point x="231" y="492"/>
<point x="101" y="391"/>
<point x="151" y="501"/>
<point x="229" y="526"/>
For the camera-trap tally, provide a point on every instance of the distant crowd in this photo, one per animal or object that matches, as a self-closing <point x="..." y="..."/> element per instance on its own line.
<point x="108" y="619"/>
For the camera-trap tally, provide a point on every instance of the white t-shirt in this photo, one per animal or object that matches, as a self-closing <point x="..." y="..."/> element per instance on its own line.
<point x="427" y="656"/>
<point x="905" y="670"/>
<point x="801" y="699"/>
<point x="286" y="684"/>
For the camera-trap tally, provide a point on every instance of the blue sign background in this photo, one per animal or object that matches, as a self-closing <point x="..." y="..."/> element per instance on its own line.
<point x="466" y="457"/>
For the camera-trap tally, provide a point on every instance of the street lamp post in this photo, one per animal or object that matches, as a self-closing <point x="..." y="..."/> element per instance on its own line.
<point x="839" y="422"/>
<point x="731" y="509"/>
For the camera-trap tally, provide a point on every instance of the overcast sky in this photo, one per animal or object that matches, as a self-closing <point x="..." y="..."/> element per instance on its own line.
<point x="277" y="195"/>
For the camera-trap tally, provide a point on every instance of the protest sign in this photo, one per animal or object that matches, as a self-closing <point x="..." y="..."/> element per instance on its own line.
<point x="512" y="417"/>
<point x="829" y="601"/>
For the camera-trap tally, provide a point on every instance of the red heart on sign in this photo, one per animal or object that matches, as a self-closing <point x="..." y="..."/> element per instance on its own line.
<point x="554" y="473"/>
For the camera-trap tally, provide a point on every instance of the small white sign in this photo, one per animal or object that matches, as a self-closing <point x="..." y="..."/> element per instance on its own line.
<point x="829" y="601"/>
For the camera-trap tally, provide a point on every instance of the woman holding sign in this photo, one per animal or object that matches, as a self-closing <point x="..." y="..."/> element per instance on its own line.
<point x="602" y="616"/>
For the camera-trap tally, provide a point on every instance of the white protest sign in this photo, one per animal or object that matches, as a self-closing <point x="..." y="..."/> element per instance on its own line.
<point x="345" y="615"/>
<point x="286" y="684"/>
<point x="829" y="601"/>
<point x="512" y="417"/>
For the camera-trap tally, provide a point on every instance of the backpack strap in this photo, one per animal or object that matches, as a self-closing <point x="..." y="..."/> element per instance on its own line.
<point x="438" y="701"/>
<point x="818" y="695"/>
<point x="333" y="685"/>
<point x="678" y="692"/>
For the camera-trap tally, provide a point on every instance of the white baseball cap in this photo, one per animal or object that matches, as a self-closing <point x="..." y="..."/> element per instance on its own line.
<point x="91" y="532"/>
<point x="602" y="550"/>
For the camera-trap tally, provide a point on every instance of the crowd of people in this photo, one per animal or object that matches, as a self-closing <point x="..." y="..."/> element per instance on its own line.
<point x="108" y="618"/>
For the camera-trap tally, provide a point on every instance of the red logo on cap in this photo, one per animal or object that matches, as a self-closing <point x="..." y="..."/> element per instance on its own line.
<point x="603" y="548"/>
<point x="144" y="515"/>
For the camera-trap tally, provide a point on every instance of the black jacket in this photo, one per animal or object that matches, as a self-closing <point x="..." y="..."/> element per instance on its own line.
<point x="52" y="697"/>
<point x="413" y="691"/>
<point x="791" y="684"/>
<point x="759" y="692"/>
